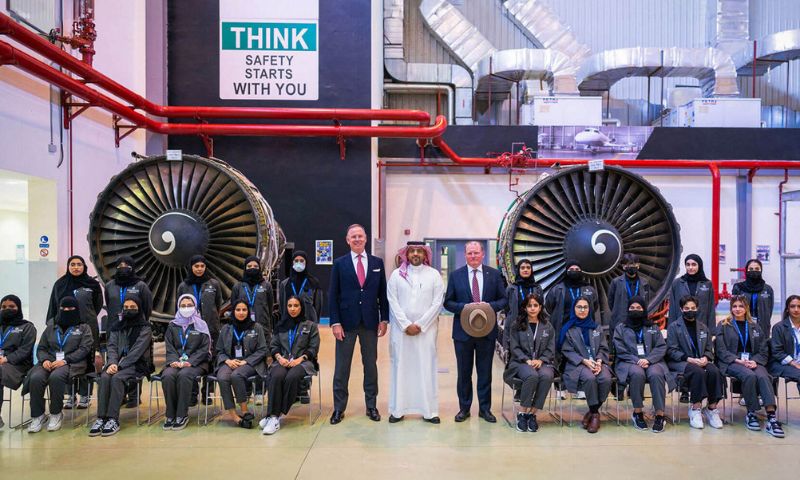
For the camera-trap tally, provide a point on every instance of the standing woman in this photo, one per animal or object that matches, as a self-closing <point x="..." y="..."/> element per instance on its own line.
<point x="241" y="351"/>
<point x="742" y="353"/>
<point x="256" y="291"/>
<point x="17" y="337"/>
<point x="86" y="290"/>
<point x="532" y="351"/>
<point x="759" y="295"/>
<point x="524" y="286"/>
<point x="130" y="355"/>
<point x="188" y="351"/>
<point x="62" y="354"/>
<point x="640" y="349"/>
<point x="785" y="342"/>
<point x="690" y="353"/>
<point x="623" y="288"/>
<point x="295" y="353"/>
<point x="304" y="286"/>
<point x="584" y="346"/>
<point x="206" y="292"/>
<point x="695" y="283"/>
<point x="561" y="298"/>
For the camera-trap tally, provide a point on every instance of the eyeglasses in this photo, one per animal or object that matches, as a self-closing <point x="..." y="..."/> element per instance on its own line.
<point x="581" y="307"/>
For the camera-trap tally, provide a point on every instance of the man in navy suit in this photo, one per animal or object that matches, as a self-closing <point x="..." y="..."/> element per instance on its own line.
<point x="471" y="284"/>
<point x="359" y="308"/>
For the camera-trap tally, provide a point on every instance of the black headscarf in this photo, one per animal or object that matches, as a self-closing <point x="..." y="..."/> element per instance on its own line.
<point x="637" y="320"/>
<point x="252" y="276"/>
<point x="572" y="282"/>
<point x="525" y="282"/>
<point x="191" y="278"/>
<point x="132" y="322"/>
<point x="296" y="278"/>
<point x="126" y="278"/>
<point x="753" y="283"/>
<point x="16" y="319"/>
<point x="71" y="318"/>
<point x="68" y="283"/>
<point x="287" y="321"/>
<point x="700" y="276"/>
<point x="242" y="325"/>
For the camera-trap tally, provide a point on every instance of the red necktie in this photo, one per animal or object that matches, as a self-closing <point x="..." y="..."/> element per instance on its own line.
<point x="362" y="275"/>
<point x="476" y="294"/>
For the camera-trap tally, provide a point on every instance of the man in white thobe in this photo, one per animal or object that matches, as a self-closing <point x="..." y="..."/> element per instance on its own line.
<point x="415" y="292"/>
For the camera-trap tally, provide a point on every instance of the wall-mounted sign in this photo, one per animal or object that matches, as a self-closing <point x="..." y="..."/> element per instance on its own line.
<point x="269" y="49"/>
<point x="324" y="252"/>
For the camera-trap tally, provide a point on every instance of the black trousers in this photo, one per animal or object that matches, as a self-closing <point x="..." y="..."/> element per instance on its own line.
<point x="703" y="382"/>
<point x="234" y="383"/>
<point x="478" y="352"/>
<point x="178" y="384"/>
<point x="368" y="341"/>
<point x="283" y="386"/>
<point x="58" y="380"/>
<point x="111" y="392"/>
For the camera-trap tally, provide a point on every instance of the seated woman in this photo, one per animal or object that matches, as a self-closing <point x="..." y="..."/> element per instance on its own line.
<point x="583" y="345"/>
<point x="241" y="350"/>
<point x="532" y="350"/>
<point x="188" y="350"/>
<point x="640" y="350"/>
<point x="62" y="354"/>
<point x="742" y="353"/>
<point x="295" y="352"/>
<point x="785" y="360"/>
<point x="17" y="337"/>
<point x="129" y="356"/>
<point x="690" y="353"/>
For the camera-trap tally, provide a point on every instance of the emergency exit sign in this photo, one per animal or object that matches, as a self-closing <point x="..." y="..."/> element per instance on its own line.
<point x="269" y="49"/>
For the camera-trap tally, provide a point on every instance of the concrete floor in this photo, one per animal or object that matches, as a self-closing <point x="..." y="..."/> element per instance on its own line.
<point x="360" y="448"/>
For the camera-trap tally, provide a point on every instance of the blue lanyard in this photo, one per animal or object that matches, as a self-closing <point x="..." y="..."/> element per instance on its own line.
<point x="63" y="342"/>
<point x="302" y="286"/>
<point x="250" y="300"/>
<point x="197" y="297"/>
<point x="746" y="333"/>
<point x="239" y="337"/>
<point x="640" y="336"/>
<point x="292" y="334"/>
<point x="5" y="336"/>
<point x="184" y="339"/>
<point x="575" y="295"/>
<point x="691" y="342"/>
<point x="122" y="292"/>
<point x="522" y="293"/>
<point x="754" y="305"/>
<point x="628" y="287"/>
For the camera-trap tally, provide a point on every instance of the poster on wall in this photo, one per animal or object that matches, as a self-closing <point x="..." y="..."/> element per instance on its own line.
<point x="762" y="253"/>
<point x="324" y="252"/>
<point x="269" y="49"/>
<point x="722" y="255"/>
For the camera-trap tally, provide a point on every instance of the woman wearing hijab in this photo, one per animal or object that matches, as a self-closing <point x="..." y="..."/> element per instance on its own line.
<point x="583" y="345"/>
<point x="295" y="352"/>
<point x="62" y="354"/>
<point x="86" y="290"/>
<point x="640" y="349"/>
<point x="690" y="353"/>
<point x="695" y="283"/>
<point x="759" y="294"/>
<point x="785" y="361"/>
<point x="532" y="351"/>
<point x="123" y="283"/>
<point x="188" y="352"/>
<point x="129" y="356"/>
<point x="743" y="353"/>
<point x="17" y="337"/>
<point x="304" y="286"/>
<point x="206" y="292"/>
<point x="241" y="350"/>
<point x="524" y="286"/>
<point x="623" y="288"/>
<point x="561" y="298"/>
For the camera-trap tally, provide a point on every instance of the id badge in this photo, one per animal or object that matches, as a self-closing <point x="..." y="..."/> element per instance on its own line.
<point x="237" y="352"/>
<point x="253" y="316"/>
<point x="640" y="349"/>
<point x="745" y="356"/>
<point x="184" y="358"/>
<point x="59" y="356"/>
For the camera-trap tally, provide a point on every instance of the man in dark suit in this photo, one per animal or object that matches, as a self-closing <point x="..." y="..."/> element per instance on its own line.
<point x="470" y="284"/>
<point x="359" y="308"/>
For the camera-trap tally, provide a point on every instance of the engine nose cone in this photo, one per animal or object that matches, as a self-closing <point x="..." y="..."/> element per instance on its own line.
<point x="177" y="235"/>
<point x="595" y="244"/>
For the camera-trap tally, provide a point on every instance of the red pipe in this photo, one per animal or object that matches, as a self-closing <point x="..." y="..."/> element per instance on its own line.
<point x="41" y="46"/>
<point x="12" y="56"/>
<point x="715" y="226"/>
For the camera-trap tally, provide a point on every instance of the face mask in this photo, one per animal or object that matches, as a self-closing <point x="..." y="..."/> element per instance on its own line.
<point x="690" y="314"/>
<point x="574" y="275"/>
<point x="753" y="275"/>
<point x="253" y="274"/>
<point x="124" y="271"/>
<point x="636" y="315"/>
<point x="130" y="314"/>
<point x="68" y="318"/>
<point x="299" y="266"/>
<point x="631" y="270"/>
<point x="186" y="312"/>
<point x="7" y="314"/>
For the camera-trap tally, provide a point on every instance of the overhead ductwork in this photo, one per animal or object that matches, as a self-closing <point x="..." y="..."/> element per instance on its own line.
<point x="714" y="68"/>
<point x="501" y="70"/>
<point x="732" y="25"/>
<point x="543" y="27"/>
<point x="779" y="47"/>
<point x="457" y="34"/>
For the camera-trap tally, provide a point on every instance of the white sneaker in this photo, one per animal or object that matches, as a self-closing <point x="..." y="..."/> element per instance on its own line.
<point x="562" y="394"/>
<point x="263" y="422"/>
<point x="259" y="400"/>
<point x="712" y="417"/>
<point x="55" y="422"/>
<point x="580" y="395"/>
<point x="37" y="424"/>
<point x="695" y="418"/>
<point x="273" y="425"/>
<point x="742" y="403"/>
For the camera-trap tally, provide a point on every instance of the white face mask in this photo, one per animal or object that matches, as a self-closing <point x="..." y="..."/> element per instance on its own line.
<point x="186" y="312"/>
<point x="299" y="266"/>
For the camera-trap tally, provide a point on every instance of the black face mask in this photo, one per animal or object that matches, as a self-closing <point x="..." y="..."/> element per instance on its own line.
<point x="253" y="275"/>
<point x="631" y="271"/>
<point x="68" y="318"/>
<point x="124" y="271"/>
<point x="130" y="314"/>
<point x="636" y="318"/>
<point x="754" y="275"/>
<point x="8" y="314"/>
<point x="690" y="315"/>
<point x="574" y="276"/>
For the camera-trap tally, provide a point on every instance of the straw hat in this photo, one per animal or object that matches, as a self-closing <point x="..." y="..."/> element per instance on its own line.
<point x="478" y="319"/>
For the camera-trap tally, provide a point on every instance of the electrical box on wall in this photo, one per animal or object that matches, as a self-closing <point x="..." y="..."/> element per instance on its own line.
<point x="563" y="110"/>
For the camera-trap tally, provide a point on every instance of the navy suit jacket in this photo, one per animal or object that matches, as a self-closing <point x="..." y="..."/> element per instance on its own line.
<point x="459" y="293"/>
<point x="350" y="304"/>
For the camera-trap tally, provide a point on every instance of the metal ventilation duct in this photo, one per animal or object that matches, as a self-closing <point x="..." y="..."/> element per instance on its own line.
<point x="713" y="67"/>
<point x="539" y="23"/>
<point x="732" y="25"/>
<point x="499" y="71"/>
<point x="457" y="34"/>
<point x="779" y="47"/>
